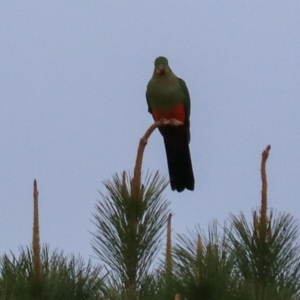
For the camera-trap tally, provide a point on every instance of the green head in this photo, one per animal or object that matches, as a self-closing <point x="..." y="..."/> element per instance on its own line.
<point x="161" y="65"/>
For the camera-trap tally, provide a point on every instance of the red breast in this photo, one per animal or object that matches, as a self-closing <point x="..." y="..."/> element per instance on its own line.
<point x="178" y="113"/>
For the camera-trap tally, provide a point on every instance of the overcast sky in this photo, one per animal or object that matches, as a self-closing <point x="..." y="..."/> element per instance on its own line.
<point x="73" y="76"/>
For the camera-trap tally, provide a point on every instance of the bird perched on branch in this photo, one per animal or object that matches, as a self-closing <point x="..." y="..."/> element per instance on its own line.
<point x="168" y="98"/>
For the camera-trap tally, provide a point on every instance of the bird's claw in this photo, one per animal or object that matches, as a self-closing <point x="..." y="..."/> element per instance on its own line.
<point x="172" y="122"/>
<point x="164" y="121"/>
<point x="175" y="122"/>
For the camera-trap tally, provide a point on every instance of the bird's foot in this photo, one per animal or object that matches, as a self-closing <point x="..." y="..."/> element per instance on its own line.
<point x="175" y="122"/>
<point x="164" y="121"/>
<point x="172" y="122"/>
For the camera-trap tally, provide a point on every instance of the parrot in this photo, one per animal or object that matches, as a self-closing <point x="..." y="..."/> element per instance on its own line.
<point x="168" y="98"/>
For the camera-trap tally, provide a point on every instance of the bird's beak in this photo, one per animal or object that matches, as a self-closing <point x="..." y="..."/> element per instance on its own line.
<point x="160" y="69"/>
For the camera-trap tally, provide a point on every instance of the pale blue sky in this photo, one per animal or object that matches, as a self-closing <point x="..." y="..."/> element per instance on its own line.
<point x="72" y="107"/>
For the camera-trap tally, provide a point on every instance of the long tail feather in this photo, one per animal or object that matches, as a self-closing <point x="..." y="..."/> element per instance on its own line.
<point x="179" y="159"/>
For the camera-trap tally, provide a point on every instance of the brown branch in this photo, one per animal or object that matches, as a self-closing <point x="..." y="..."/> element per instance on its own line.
<point x="36" y="233"/>
<point x="177" y="297"/>
<point x="264" y="190"/>
<point x="169" y="246"/>
<point x="124" y="185"/>
<point x="199" y="244"/>
<point x="199" y="255"/>
<point x="255" y="225"/>
<point x="136" y="182"/>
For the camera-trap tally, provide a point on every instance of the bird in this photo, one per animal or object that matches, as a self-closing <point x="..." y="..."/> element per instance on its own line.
<point x="168" y="98"/>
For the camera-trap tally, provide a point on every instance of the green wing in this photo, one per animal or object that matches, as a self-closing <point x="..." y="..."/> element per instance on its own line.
<point x="149" y="108"/>
<point x="187" y="96"/>
<point x="187" y="103"/>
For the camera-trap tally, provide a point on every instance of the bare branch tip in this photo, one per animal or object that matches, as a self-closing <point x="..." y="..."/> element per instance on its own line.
<point x="265" y="153"/>
<point x="35" y="189"/>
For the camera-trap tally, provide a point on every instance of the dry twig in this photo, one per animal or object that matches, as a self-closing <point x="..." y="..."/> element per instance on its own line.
<point x="136" y="182"/>
<point x="36" y="233"/>
<point x="169" y="246"/>
<point x="264" y="190"/>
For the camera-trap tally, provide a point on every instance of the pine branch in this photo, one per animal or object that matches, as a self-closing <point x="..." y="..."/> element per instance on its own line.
<point x="169" y="246"/>
<point x="264" y="191"/>
<point x="36" y="234"/>
<point x="136" y="182"/>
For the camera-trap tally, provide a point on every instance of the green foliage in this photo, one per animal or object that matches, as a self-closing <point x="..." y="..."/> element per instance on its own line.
<point x="247" y="261"/>
<point x="62" y="277"/>
<point x="258" y="260"/>
<point x="267" y="256"/>
<point x="204" y="265"/>
<point x="166" y="286"/>
<point x="129" y="234"/>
